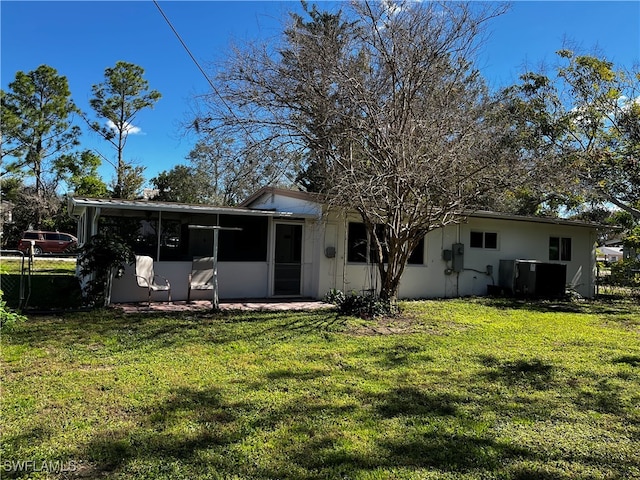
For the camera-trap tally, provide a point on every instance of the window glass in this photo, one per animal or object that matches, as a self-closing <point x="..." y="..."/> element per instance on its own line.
<point x="483" y="240"/>
<point x="565" y="249"/>
<point x="373" y="253"/>
<point x="417" y="256"/>
<point x="554" y="248"/>
<point x="560" y="249"/>
<point x="490" y="240"/>
<point x="476" y="240"/>
<point x="357" y="243"/>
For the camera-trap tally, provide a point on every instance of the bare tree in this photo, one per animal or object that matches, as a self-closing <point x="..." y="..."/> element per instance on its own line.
<point x="232" y="168"/>
<point x="384" y="103"/>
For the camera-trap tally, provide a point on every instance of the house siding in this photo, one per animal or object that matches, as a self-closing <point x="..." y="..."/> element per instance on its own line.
<point x="516" y="240"/>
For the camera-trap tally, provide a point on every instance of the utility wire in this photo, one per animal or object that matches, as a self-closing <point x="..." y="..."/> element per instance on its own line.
<point x="184" y="45"/>
<point x="213" y="87"/>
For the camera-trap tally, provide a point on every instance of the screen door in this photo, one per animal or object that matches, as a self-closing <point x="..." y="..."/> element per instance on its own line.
<point x="288" y="259"/>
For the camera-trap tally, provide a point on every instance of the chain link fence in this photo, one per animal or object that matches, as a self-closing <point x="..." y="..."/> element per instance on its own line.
<point x="16" y="286"/>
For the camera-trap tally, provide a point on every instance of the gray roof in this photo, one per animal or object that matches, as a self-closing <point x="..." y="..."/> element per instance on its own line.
<point x="533" y="219"/>
<point x="78" y="204"/>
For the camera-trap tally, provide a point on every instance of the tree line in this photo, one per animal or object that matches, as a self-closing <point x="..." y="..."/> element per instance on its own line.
<point x="378" y="106"/>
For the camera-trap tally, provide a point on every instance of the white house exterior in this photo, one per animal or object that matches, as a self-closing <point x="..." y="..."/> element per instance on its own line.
<point x="291" y="247"/>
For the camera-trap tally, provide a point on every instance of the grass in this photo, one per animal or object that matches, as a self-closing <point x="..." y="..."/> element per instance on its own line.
<point x="52" y="284"/>
<point x="458" y="389"/>
<point x="41" y="266"/>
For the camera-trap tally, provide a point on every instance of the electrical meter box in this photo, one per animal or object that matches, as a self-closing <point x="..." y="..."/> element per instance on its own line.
<point x="457" y="262"/>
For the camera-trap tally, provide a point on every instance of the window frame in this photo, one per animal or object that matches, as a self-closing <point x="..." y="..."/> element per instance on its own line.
<point x="473" y="243"/>
<point x="365" y="245"/>
<point x="560" y="248"/>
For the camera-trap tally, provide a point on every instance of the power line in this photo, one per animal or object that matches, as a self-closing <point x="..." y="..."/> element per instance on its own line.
<point x="184" y="45"/>
<point x="213" y="87"/>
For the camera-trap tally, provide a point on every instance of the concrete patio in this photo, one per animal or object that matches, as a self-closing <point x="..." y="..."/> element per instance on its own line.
<point x="239" y="304"/>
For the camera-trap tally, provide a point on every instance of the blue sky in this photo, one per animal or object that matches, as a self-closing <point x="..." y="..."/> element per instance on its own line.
<point x="82" y="38"/>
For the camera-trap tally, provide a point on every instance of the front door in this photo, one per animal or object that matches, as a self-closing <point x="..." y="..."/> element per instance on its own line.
<point x="287" y="271"/>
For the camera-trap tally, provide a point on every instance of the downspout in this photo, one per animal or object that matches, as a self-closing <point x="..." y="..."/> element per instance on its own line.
<point x="345" y="253"/>
<point x="458" y="273"/>
<point x="593" y="277"/>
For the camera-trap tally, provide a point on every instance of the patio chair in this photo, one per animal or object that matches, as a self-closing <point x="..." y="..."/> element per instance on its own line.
<point x="201" y="276"/>
<point x="146" y="277"/>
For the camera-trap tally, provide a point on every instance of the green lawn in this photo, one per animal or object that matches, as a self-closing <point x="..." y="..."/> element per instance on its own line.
<point x="462" y="389"/>
<point x="40" y="266"/>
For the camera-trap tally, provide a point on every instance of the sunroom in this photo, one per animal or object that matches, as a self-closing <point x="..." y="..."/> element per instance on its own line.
<point x="260" y="251"/>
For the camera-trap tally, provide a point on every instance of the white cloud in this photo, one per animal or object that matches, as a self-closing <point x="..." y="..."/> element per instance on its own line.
<point x="626" y="103"/>
<point x="392" y="7"/>
<point x="128" y="128"/>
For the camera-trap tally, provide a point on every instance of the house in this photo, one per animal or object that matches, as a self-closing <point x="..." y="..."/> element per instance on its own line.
<point x="285" y="244"/>
<point x="609" y="254"/>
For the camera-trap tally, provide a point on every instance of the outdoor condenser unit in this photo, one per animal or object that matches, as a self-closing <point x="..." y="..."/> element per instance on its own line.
<point x="533" y="278"/>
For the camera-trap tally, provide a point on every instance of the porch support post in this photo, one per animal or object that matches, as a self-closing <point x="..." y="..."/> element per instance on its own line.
<point x="159" y="236"/>
<point x="215" y="302"/>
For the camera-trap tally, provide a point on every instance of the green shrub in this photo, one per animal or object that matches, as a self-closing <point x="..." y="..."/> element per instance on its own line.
<point x="626" y="273"/>
<point x="101" y="258"/>
<point x="367" y="305"/>
<point x="334" y="297"/>
<point x="8" y="318"/>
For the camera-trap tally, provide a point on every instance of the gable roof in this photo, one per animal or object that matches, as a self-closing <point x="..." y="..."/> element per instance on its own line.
<point x="284" y="192"/>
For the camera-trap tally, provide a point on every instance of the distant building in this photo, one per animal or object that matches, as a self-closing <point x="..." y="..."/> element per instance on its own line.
<point x="609" y="254"/>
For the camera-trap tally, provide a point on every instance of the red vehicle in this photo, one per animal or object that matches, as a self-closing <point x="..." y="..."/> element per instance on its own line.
<point x="47" y="242"/>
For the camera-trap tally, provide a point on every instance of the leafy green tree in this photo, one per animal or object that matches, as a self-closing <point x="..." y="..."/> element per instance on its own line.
<point x="582" y="127"/>
<point x="131" y="181"/>
<point x="180" y="184"/>
<point x="101" y="259"/>
<point x="10" y="187"/>
<point x="80" y="172"/>
<point x="36" y="122"/>
<point x="117" y="100"/>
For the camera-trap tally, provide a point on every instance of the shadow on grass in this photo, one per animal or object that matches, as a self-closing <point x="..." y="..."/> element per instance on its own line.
<point x="633" y="360"/>
<point x="598" y="307"/>
<point x="411" y="401"/>
<point x="135" y="331"/>
<point x="178" y="429"/>
<point x="604" y="397"/>
<point x="529" y="373"/>
<point x="400" y="354"/>
<point x="291" y="374"/>
<point x="193" y="424"/>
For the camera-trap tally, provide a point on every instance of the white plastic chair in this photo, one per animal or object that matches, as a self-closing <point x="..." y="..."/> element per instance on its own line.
<point x="201" y="276"/>
<point x="146" y="277"/>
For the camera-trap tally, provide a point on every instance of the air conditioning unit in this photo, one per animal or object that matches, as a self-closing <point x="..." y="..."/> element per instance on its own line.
<point x="533" y="278"/>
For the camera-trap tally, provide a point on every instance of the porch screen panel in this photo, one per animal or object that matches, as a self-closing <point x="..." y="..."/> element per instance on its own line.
<point x="247" y="245"/>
